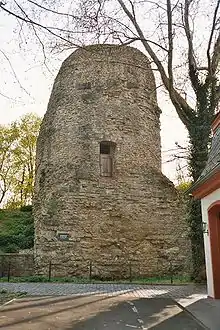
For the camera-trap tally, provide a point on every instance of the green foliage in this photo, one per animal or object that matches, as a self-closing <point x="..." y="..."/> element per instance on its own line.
<point x="44" y="279"/>
<point x="7" y="295"/>
<point x="17" y="161"/>
<point x="196" y="236"/>
<point x="183" y="186"/>
<point x="26" y="208"/>
<point x="16" y="230"/>
<point x="11" y="248"/>
<point x="3" y="291"/>
<point x="199" y="140"/>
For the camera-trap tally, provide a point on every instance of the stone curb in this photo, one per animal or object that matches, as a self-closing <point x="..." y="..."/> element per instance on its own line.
<point x="8" y="302"/>
<point x="185" y="309"/>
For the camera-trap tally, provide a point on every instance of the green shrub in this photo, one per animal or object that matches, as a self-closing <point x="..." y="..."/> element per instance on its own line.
<point x="11" y="248"/>
<point x="36" y="278"/>
<point x="3" y="291"/>
<point x="26" y="208"/>
<point x="42" y="279"/>
<point x="16" y="229"/>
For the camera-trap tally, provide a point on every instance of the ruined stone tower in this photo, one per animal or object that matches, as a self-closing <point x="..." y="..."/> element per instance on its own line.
<point x="100" y="195"/>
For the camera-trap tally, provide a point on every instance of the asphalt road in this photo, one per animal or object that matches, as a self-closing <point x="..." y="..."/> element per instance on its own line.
<point x="141" y="314"/>
<point x="94" y="312"/>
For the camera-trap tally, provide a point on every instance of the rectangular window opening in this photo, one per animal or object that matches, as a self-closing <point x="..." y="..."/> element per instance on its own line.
<point x="106" y="165"/>
<point x="105" y="149"/>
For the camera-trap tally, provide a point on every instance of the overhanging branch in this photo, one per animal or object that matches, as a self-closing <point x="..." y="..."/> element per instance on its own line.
<point x="185" y="112"/>
<point x="216" y="53"/>
<point x="170" y="40"/>
<point x="191" y="58"/>
<point x="30" y="21"/>
<point x="215" y="56"/>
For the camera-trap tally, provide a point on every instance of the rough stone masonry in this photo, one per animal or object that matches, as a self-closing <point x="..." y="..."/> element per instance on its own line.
<point x="100" y="196"/>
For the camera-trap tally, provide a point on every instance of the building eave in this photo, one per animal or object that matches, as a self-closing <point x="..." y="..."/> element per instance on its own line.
<point x="207" y="184"/>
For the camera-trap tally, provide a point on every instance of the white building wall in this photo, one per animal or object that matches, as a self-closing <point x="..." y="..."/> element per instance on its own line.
<point x="206" y="202"/>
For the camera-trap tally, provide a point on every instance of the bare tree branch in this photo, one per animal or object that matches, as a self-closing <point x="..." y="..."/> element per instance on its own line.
<point x="170" y="40"/>
<point x="133" y="39"/>
<point x="8" y="97"/>
<point x="184" y="111"/>
<point x="14" y="73"/>
<point x="212" y="63"/>
<point x="154" y="3"/>
<point x="216" y="55"/>
<point x="49" y="27"/>
<point x="30" y="21"/>
<point x="191" y="58"/>
<point x="53" y="11"/>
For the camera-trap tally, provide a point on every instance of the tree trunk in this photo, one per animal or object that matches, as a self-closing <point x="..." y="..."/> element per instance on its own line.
<point x="199" y="138"/>
<point x="196" y="236"/>
<point x="22" y="187"/>
<point x="2" y="196"/>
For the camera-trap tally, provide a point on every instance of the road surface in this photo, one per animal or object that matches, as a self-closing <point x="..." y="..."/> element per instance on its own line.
<point x="95" y="312"/>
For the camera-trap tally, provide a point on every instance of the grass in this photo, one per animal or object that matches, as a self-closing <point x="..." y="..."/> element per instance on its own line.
<point x="7" y="296"/>
<point x="44" y="279"/>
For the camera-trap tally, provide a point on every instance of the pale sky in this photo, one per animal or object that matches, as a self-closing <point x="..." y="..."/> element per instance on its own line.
<point x="36" y="81"/>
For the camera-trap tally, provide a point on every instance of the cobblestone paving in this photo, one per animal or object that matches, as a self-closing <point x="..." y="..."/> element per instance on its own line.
<point x="131" y="290"/>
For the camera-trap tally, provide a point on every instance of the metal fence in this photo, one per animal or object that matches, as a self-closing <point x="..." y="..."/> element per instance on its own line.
<point x="19" y="266"/>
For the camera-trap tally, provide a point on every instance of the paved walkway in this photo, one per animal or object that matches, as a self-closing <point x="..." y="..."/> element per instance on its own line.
<point x="206" y="310"/>
<point x="133" y="290"/>
<point x="192" y="299"/>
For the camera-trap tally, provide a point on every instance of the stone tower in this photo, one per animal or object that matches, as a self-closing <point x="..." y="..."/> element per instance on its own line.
<point x="100" y="195"/>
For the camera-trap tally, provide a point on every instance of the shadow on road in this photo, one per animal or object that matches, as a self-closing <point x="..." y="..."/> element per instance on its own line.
<point x="99" y="312"/>
<point x="156" y="313"/>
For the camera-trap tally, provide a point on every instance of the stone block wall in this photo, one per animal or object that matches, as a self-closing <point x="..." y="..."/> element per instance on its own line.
<point x="17" y="264"/>
<point x="105" y="93"/>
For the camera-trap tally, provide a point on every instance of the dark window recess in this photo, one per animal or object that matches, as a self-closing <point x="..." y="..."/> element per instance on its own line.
<point x="86" y="85"/>
<point x="107" y="150"/>
<point x="63" y="236"/>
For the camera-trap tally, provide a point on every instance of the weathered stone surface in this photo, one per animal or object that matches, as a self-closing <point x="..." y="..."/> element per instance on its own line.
<point x="17" y="264"/>
<point x="105" y="93"/>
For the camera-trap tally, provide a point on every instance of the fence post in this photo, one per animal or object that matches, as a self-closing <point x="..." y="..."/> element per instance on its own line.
<point x="171" y="272"/>
<point x="90" y="270"/>
<point x="130" y="272"/>
<point x="50" y="266"/>
<point x="9" y="270"/>
<point x="2" y="271"/>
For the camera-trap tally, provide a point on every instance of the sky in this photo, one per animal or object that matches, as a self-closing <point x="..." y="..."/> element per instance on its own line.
<point x="26" y="84"/>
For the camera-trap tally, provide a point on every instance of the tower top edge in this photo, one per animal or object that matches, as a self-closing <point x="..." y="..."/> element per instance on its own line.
<point x="108" y="50"/>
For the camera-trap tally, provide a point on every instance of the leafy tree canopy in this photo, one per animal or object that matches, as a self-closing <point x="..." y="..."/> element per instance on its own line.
<point x="17" y="160"/>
